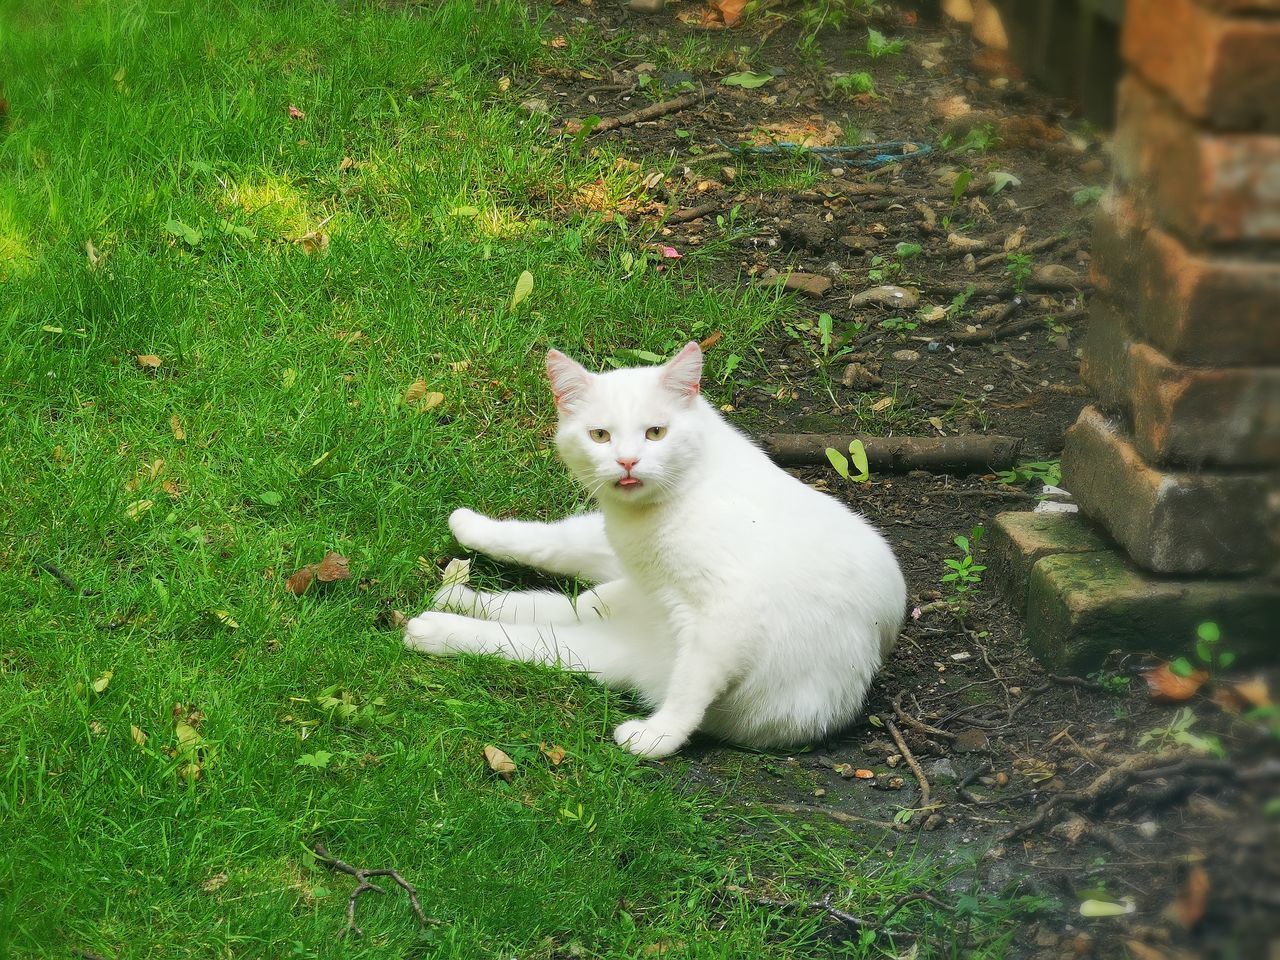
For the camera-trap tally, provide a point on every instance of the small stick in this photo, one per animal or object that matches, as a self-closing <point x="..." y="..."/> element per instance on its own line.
<point x="363" y="885"/>
<point x="651" y="112"/>
<point x="919" y="726"/>
<point x="51" y="568"/>
<point x="692" y="213"/>
<point x="1034" y="247"/>
<point x="911" y="760"/>
<point x="1012" y="328"/>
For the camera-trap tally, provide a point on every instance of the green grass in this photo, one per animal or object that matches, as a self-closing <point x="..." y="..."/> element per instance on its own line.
<point x="159" y="134"/>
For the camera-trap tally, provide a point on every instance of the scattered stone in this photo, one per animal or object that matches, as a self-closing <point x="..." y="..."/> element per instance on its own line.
<point x="896" y="298"/>
<point x="893" y="759"/>
<point x="970" y="741"/>
<point x="810" y="284"/>
<point x="890" y="783"/>
<point x="806" y="231"/>
<point x="1055" y="273"/>
<point x="535" y="105"/>
<point x="820" y="791"/>
<point x="934" y="822"/>
<point x="856" y="243"/>
<point x="941" y="769"/>
<point x="859" y="378"/>
<point x="843" y="769"/>
<point x="1147" y="829"/>
<point x="906" y="356"/>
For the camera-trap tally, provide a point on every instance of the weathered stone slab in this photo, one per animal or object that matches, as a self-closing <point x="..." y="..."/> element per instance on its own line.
<point x="1170" y="522"/>
<point x="1082" y="606"/>
<point x="1018" y="540"/>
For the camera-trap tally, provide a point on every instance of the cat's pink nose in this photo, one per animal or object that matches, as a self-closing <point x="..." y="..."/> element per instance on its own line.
<point x="628" y="463"/>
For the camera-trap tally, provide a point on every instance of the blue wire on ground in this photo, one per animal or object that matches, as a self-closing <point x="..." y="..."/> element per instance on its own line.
<point x="882" y="154"/>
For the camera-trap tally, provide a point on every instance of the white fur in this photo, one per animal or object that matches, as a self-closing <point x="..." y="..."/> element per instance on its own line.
<point x="732" y="597"/>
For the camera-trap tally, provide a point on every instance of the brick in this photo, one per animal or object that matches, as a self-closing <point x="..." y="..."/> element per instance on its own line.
<point x="1083" y="606"/>
<point x="1170" y="522"/>
<point x="1196" y="309"/>
<point x="1223" y="70"/>
<point x="1018" y="540"/>
<point x="1182" y="415"/>
<point x="1208" y="188"/>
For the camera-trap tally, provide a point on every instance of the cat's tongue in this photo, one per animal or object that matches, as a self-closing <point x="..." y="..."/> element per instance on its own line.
<point x="629" y="482"/>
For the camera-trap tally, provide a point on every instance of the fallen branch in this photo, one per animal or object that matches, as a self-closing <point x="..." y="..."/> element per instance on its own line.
<point x="651" y="112"/>
<point x="1013" y="328"/>
<point x="1002" y="290"/>
<point x="970" y="453"/>
<point x="1130" y="772"/>
<point x="911" y="761"/>
<point x="692" y="213"/>
<point x="364" y="886"/>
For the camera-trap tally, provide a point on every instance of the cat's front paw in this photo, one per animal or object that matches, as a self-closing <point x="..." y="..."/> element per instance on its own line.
<point x="455" y="598"/>
<point x="432" y="632"/>
<point x="469" y="528"/>
<point x="645" y="738"/>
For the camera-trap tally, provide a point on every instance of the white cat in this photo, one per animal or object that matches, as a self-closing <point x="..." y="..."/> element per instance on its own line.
<point x="732" y="597"/>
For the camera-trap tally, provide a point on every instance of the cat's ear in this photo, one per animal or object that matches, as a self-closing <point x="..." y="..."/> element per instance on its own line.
<point x="569" y="379"/>
<point x="683" y="372"/>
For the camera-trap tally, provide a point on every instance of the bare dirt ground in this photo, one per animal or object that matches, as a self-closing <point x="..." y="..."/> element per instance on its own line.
<point x="1047" y="782"/>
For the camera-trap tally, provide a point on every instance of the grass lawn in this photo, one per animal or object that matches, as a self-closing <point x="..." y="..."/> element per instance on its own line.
<point x="159" y="199"/>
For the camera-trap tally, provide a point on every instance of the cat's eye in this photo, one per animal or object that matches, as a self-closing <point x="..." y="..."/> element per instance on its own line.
<point x="655" y="433"/>
<point x="598" y="435"/>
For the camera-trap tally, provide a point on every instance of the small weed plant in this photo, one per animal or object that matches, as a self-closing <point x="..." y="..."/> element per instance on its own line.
<point x="1018" y="267"/>
<point x="856" y="461"/>
<point x="1208" y="653"/>
<point x="964" y="575"/>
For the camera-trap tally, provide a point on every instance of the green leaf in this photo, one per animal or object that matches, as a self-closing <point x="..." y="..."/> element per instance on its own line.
<point x="1181" y="667"/>
<point x="839" y="461"/>
<point x="1209" y="632"/>
<point x="320" y="759"/>
<point x="960" y="185"/>
<point x="962" y="542"/>
<point x="908" y="250"/>
<point x="858" y="453"/>
<point x="1106" y="908"/>
<point x="1226" y="660"/>
<point x="270" y="498"/>
<point x="189" y="235"/>
<point x="524" y="287"/>
<point x="1086" y="196"/>
<point x="747" y="80"/>
<point x="100" y="685"/>
<point x="1000" y="179"/>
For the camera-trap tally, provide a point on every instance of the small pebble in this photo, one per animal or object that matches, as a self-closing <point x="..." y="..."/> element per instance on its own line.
<point x="1148" y="828"/>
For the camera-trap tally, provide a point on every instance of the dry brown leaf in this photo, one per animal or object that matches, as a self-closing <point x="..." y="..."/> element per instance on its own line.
<point x="317" y="241"/>
<point x="555" y="754"/>
<point x="417" y="390"/>
<point x="730" y="10"/>
<point x="333" y="567"/>
<point x="138" y="736"/>
<point x="149" y="361"/>
<point x="864" y="774"/>
<point x="499" y="762"/>
<point x="1189" y="906"/>
<point x="175" y="424"/>
<point x="1014" y="240"/>
<point x="300" y="581"/>
<point x="559" y="43"/>
<point x="711" y="341"/>
<point x="431" y="400"/>
<point x="346" y="164"/>
<point x="214" y="883"/>
<point x="1165" y="686"/>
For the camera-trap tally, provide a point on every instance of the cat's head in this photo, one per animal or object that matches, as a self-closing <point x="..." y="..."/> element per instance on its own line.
<point x="628" y="436"/>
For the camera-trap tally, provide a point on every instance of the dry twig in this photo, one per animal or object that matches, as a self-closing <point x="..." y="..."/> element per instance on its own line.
<point x="363" y="886"/>
<point x="911" y="760"/>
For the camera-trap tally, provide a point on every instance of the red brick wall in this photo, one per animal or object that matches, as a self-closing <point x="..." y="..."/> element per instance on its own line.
<point x="1180" y="460"/>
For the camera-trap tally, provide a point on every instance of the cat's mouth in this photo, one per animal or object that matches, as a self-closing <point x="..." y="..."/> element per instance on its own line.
<point x="626" y="483"/>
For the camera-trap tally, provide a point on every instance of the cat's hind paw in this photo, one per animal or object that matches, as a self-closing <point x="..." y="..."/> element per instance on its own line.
<point x="433" y="632"/>
<point x="645" y="738"/>
<point x="455" y="598"/>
